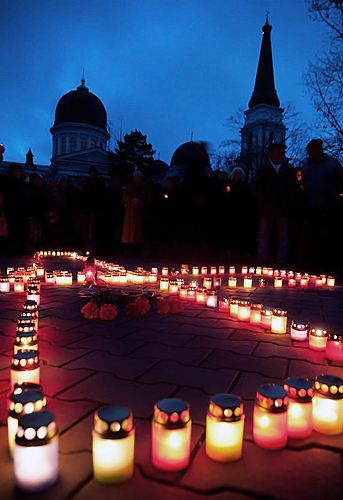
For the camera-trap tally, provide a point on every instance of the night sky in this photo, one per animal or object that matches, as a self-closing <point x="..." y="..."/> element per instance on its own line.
<point x="166" y="68"/>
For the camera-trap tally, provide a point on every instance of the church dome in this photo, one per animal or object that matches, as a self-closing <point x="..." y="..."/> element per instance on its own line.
<point x="81" y="106"/>
<point x="191" y="154"/>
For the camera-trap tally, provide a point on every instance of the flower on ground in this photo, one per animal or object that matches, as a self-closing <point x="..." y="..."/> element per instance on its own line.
<point x="108" y="311"/>
<point x="163" y="306"/>
<point x="139" y="306"/>
<point x="90" y="310"/>
<point x="176" y="306"/>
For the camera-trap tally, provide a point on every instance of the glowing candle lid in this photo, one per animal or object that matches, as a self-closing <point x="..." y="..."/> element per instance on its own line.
<point x="25" y="334"/>
<point x="30" y="305"/>
<point x="256" y="306"/>
<point x="299" y="323"/>
<point x="201" y="289"/>
<point x="234" y="300"/>
<point x="4" y="279"/>
<point x="277" y="311"/>
<point x="36" y="429"/>
<point x="25" y="360"/>
<point x="113" y="422"/>
<point x="26" y="402"/>
<point x="244" y="303"/>
<point x="226" y="407"/>
<point x="20" y="387"/>
<point x="272" y="398"/>
<point x="212" y="291"/>
<point x="335" y="337"/>
<point x="26" y="316"/>
<point x="319" y="331"/>
<point x="299" y="388"/>
<point x="172" y="413"/>
<point x="267" y="311"/>
<point x="329" y="386"/>
<point x="26" y="326"/>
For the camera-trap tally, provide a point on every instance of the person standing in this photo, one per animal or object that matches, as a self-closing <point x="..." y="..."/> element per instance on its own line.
<point x="275" y="186"/>
<point x="322" y="180"/>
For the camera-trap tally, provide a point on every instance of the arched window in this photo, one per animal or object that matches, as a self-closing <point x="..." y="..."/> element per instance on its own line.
<point x="83" y="144"/>
<point x="93" y="144"/>
<point x="72" y="145"/>
<point x="100" y="145"/>
<point x="63" y="145"/>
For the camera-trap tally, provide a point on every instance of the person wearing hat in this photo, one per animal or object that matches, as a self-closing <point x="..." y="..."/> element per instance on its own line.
<point x="275" y="187"/>
<point x="322" y="177"/>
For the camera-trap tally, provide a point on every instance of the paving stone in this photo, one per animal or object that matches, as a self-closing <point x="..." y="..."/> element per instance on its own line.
<point x="5" y="365"/>
<point x="200" y="322"/>
<point x="267" y="350"/>
<point x="110" y="345"/>
<point x="105" y="389"/>
<point x="6" y="343"/>
<point x="59" y="323"/>
<point x="272" y="367"/>
<point x="223" y="333"/>
<point x="59" y="337"/>
<point x="311" y="370"/>
<point x="247" y="384"/>
<point x="169" y="339"/>
<point x="211" y="381"/>
<point x="122" y="366"/>
<point x="237" y="346"/>
<point x="294" y="474"/>
<point x="198" y="402"/>
<point x="261" y="336"/>
<point x="79" y="437"/>
<point x="53" y="355"/>
<point x="184" y="355"/>
<point x="55" y="380"/>
<point x="68" y="412"/>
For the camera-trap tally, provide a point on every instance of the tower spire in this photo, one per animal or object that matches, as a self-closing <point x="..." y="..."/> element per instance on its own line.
<point x="264" y="90"/>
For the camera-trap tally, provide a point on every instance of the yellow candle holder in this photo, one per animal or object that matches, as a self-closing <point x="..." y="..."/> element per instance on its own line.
<point x="328" y="405"/>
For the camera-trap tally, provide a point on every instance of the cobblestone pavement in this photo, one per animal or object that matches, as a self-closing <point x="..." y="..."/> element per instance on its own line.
<point x="136" y="361"/>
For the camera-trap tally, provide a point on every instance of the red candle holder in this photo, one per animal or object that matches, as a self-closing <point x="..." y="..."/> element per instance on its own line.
<point x="243" y="312"/>
<point x="262" y="283"/>
<point x="270" y="428"/>
<point x="300" y="393"/>
<point x="234" y="302"/>
<point x="255" y="313"/>
<point x="334" y="347"/>
<point x="266" y="317"/>
<point x="224" y="305"/>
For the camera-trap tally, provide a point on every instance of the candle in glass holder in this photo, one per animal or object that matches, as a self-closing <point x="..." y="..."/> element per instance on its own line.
<point x="328" y="405"/>
<point x="81" y="277"/>
<point x="232" y="270"/>
<point x="183" y="291"/>
<point x="217" y="282"/>
<point x="25" y="368"/>
<point x="201" y="296"/>
<point x="259" y="270"/>
<point x="224" y="428"/>
<point x="18" y="285"/>
<point x="244" y="270"/>
<point x="300" y="393"/>
<point x="184" y="269"/>
<point x="212" y="298"/>
<point x="164" y="284"/>
<point x="243" y="312"/>
<point x="224" y="305"/>
<point x="165" y="271"/>
<point x="171" y="434"/>
<point x="270" y="427"/>
<point x="283" y="273"/>
<point x="247" y="282"/>
<point x="334" y="347"/>
<point x="299" y="330"/>
<point x="113" y="445"/>
<point x="213" y="270"/>
<point x="221" y="270"/>
<point x="278" y="282"/>
<point x="33" y="294"/>
<point x="25" y="340"/>
<point x="298" y="276"/>
<point x="50" y="278"/>
<point x="234" y="302"/>
<point x="232" y="282"/>
<point x="251" y="270"/>
<point x="304" y="282"/>
<point x="292" y="283"/>
<point x="173" y="287"/>
<point x="266" y="317"/>
<point x="4" y="284"/>
<point x="262" y="283"/>
<point x="22" y="404"/>
<point x="36" y="452"/>
<point x="40" y="271"/>
<point x="255" y="313"/>
<point x="203" y="270"/>
<point x="207" y="283"/>
<point x="279" y="321"/>
<point x="317" y="338"/>
<point x="195" y="271"/>
<point x="191" y="292"/>
<point x="330" y="281"/>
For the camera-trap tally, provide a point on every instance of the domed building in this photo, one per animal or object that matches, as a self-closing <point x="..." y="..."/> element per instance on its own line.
<point x="79" y="134"/>
<point x="190" y="158"/>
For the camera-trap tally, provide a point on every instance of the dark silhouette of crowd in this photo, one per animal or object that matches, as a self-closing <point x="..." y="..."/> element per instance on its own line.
<point x="281" y="216"/>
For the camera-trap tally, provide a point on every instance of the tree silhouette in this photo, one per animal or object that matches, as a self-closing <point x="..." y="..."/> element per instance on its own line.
<point x="134" y="153"/>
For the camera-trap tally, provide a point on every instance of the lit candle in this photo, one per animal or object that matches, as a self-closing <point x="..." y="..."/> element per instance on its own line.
<point x="213" y="270"/>
<point x="26" y="339"/>
<point x="19" y="286"/>
<point x="203" y="270"/>
<point x="279" y="321"/>
<point x="40" y="271"/>
<point x="270" y="272"/>
<point x="244" y="270"/>
<point x="255" y="313"/>
<point x="330" y="281"/>
<point x="81" y="277"/>
<point x="195" y="271"/>
<point x="317" y="338"/>
<point x="123" y="277"/>
<point x="22" y="404"/>
<point x="4" y="284"/>
<point x="9" y="270"/>
<point x="165" y="271"/>
<point x="270" y="417"/>
<point x="217" y="282"/>
<point x="207" y="283"/>
<point x="33" y="294"/>
<point x="259" y="270"/>
<point x="153" y="278"/>
<point x="221" y="270"/>
<point x="224" y="305"/>
<point x="12" y="277"/>
<point x="266" y="317"/>
<point x="247" y="282"/>
<point x="183" y="291"/>
<point x="292" y="283"/>
<point x="262" y="283"/>
<point x="299" y="330"/>
<point x="234" y="302"/>
<point x="50" y="278"/>
<point x="251" y="270"/>
<point x="304" y="282"/>
<point x="180" y="281"/>
<point x="173" y="288"/>
<point x="154" y="270"/>
<point x="290" y="274"/>
<point x="164" y="284"/>
<point x="184" y="269"/>
<point x="300" y="393"/>
<point x="232" y="282"/>
<point x="277" y="282"/>
<point x="212" y="298"/>
<point x="243" y="312"/>
<point x="232" y="270"/>
<point x="191" y="292"/>
<point x="113" y="445"/>
<point x="201" y="296"/>
<point x="328" y="405"/>
<point x="171" y="434"/>
<point x="334" y="347"/>
<point x="224" y="428"/>
<point x="298" y="276"/>
<point x="25" y="368"/>
<point x="283" y="273"/>
<point x="319" y="281"/>
<point x="36" y="452"/>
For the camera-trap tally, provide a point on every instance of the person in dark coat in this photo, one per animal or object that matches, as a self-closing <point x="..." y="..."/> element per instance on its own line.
<point x="275" y="186"/>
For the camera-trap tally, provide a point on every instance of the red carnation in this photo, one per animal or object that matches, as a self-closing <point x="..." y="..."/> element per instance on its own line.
<point x="143" y="305"/>
<point x="163" y="306"/>
<point x="90" y="310"/>
<point x="176" y="306"/>
<point x="108" y="311"/>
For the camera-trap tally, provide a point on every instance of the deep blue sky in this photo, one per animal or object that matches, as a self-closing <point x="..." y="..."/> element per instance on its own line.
<point x="164" y="67"/>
